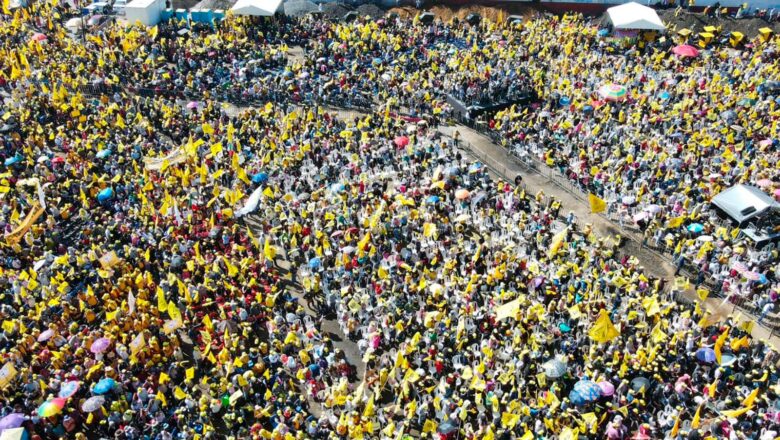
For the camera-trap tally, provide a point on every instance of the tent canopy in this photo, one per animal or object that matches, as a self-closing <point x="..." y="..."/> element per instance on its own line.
<point x="744" y="202"/>
<point x="635" y="16"/>
<point x="261" y="8"/>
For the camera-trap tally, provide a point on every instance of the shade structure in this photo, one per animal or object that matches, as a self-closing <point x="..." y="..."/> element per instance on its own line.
<point x="706" y="354"/>
<point x="585" y="391"/>
<point x="554" y="368"/>
<point x="68" y="389"/>
<point x="100" y="345"/>
<point x="633" y="16"/>
<point x="51" y="407"/>
<point x="259" y="8"/>
<point x="93" y="404"/>
<point x="613" y="92"/>
<point x="638" y="383"/>
<point x="13" y="420"/>
<point x="685" y="50"/>
<point x="104" y="386"/>
<point x="607" y="389"/>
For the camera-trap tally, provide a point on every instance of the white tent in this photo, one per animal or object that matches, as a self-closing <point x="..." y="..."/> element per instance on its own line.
<point x="635" y="17"/>
<point x="262" y="8"/>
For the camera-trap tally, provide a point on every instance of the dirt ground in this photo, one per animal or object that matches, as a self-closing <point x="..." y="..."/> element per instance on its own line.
<point x="676" y="20"/>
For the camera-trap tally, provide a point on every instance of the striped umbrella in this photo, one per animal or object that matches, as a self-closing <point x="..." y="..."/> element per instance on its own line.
<point x="752" y="276"/>
<point x="51" y="407"/>
<point x="739" y="267"/>
<point x="613" y="92"/>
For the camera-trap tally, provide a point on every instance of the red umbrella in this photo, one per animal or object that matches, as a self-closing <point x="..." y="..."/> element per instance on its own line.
<point x="685" y="50"/>
<point x="401" y="141"/>
<point x="39" y="37"/>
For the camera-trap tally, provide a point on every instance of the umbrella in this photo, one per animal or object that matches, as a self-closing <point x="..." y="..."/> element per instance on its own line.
<point x="432" y="199"/>
<point x="448" y="427"/>
<point x="13" y="420"/>
<point x="401" y="141"/>
<point x="474" y="168"/>
<point x="739" y="267"/>
<point x="462" y="194"/>
<point x="613" y="92"/>
<point x="93" y="404"/>
<point x="664" y="95"/>
<point x="640" y="216"/>
<point x="51" y="407"/>
<point x="337" y="187"/>
<point x="777" y="192"/>
<point x="68" y="389"/>
<point x="607" y="389"/>
<point x="102" y="154"/>
<point x="45" y="335"/>
<point x="452" y="171"/>
<point x="462" y="218"/>
<point x="100" y="345"/>
<point x="315" y="263"/>
<point x="106" y="194"/>
<point x="695" y="228"/>
<point x="554" y="368"/>
<point x="639" y="382"/>
<point x="704" y="238"/>
<point x="763" y="183"/>
<point x="705" y="354"/>
<point x="104" y="386"/>
<point x="192" y="105"/>
<point x="685" y="50"/>
<point x="752" y="276"/>
<point x="260" y="178"/>
<point x="584" y="391"/>
<point x="13" y="160"/>
<point x="39" y="37"/>
<point x="628" y="200"/>
<point x="727" y="359"/>
<point x="655" y="209"/>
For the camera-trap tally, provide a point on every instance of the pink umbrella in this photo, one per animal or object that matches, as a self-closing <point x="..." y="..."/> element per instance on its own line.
<point x="607" y="389"/>
<point x="192" y="105"/>
<point x="763" y="183"/>
<point x="777" y="192"/>
<point x="401" y="141"/>
<point x="39" y="37"/>
<point x="685" y="50"/>
<point x="752" y="276"/>
<point x="100" y="345"/>
<point x="739" y="267"/>
<point x="46" y="335"/>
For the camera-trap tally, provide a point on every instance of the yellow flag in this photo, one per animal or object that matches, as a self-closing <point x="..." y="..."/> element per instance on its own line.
<point x="603" y="330"/>
<point x="268" y="250"/>
<point x="702" y="293"/>
<point x="733" y="414"/>
<point x="161" y="398"/>
<point x="719" y="344"/>
<point x="207" y="322"/>
<point x="675" y="222"/>
<point x="162" y="305"/>
<point x="696" y="418"/>
<point x="748" y="402"/>
<point x="216" y="148"/>
<point x="557" y="242"/>
<point x="569" y="434"/>
<point x="597" y="205"/>
<point x="179" y="393"/>
<point x="207" y="129"/>
<point x="190" y="373"/>
<point x="676" y="427"/>
<point x="429" y="426"/>
<point x="509" y="420"/>
<point x="369" y="410"/>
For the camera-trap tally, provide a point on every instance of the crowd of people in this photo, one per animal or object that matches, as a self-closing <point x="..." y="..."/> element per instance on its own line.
<point x="170" y="262"/>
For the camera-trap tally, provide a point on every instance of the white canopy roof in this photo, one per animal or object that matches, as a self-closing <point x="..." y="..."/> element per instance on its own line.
<point x="744" y="202"/>
<point x="635" y="16"/>
<point x="263" y="8"/>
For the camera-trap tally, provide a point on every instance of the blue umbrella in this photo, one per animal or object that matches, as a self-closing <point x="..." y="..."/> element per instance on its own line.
<point x="762" y="279"/>
<point x="603" y="32"/>
<point x="564" y="327"/>
<point x="705" y="354"/>
<point x="13" y="160"/>
<point x="105" y="194"/>
<point x="664" y="95"/>
<point x="315" y="263"/>
<point x="585" y="391"/>
<point x="260" y="178"/>
<point x="452" y="171"/>
<point x="337" y="187"/>
<point x="432" y="199"/>
<point x="695" y="227"/>
<point x="104" y="386"/>
<point x="102" y="154"/>
<point x="587" y="108"/>
<point x="564" y="101"/>
<point x="377" y="61"/>
<point x="475" y="167"/>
